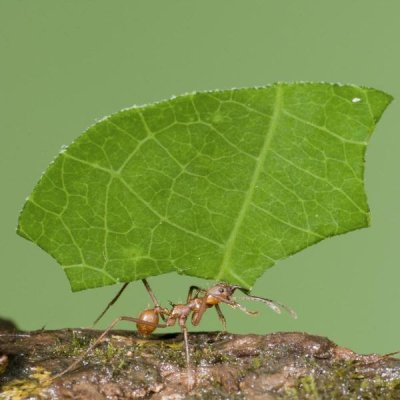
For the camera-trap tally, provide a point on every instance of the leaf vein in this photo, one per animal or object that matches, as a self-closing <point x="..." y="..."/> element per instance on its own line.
<point x="230" y="243"/>
<point x="321" y="179"/>
<point x="322" y="128"/>
<point x="103" y="272"/>
<point x="299" y="228"/>
<point x="166" y="220"/>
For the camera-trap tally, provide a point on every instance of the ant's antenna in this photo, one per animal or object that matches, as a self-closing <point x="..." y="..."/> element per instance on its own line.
<point x="273" y="305"/>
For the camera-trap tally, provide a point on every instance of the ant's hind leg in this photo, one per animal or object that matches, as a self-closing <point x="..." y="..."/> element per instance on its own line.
<point x="116" y="297"/>
<point x="99" y="339"/>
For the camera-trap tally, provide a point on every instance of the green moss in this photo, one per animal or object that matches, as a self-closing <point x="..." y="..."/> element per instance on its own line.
<point x="173" y="353"/>
<point x="74" y="347"/>
<point x="309" y="387"/>
<point x="256" y="363"/>
<point x="208" y="355"/>
<point x="343" y="380"/>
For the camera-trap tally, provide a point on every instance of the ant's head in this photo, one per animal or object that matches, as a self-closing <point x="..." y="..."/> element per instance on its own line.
<point x="224" y="290"/>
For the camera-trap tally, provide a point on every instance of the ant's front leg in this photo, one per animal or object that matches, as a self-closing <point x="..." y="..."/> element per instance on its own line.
<point x="221" y="318"/>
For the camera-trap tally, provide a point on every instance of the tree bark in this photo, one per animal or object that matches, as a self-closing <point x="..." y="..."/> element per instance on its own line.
<point x="224" y="366"/>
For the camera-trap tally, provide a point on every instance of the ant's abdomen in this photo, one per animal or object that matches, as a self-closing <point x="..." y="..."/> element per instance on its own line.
<point x="150" y="316"/>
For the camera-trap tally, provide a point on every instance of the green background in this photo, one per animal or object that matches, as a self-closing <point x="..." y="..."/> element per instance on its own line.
<point x="64" y="64"/>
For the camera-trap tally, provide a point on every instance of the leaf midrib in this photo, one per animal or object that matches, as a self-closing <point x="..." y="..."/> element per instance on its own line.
<point x="230" y="243"/>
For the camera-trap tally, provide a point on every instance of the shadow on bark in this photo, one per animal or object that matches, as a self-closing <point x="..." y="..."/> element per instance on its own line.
<point x="225" y="366"/>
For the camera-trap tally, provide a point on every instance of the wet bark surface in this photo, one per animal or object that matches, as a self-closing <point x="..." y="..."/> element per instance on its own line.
<point x="224" y="366"/>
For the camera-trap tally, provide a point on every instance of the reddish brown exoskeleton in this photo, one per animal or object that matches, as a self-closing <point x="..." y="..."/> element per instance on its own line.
<point x="198" y="302"/>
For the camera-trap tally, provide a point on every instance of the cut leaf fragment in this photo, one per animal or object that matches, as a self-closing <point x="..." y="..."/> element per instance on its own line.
<point x="218" y="185"/>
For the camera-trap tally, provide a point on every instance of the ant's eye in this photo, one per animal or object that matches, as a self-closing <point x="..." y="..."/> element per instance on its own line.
<point x="221" y="290"/>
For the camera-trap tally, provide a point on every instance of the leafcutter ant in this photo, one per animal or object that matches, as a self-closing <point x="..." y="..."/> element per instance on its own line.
<point x="197" y="303"/>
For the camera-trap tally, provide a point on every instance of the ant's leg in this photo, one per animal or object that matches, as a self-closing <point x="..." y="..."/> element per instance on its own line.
<point x="221" y="317"/>
<point x="111" y="303"/>
<point x="190" y="380"/>
<point x="150" y="292"/>
<point x="99" y="339"/>
<point x="153" y="297"/>
<point x="197" y="316"/>
<point x="191" y="290"/>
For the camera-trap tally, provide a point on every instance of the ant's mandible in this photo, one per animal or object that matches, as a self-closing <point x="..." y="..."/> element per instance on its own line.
<point x="197" y="303"/>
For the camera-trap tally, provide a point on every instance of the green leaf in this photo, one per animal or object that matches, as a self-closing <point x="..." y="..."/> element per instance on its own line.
<point x="218" y="185"/>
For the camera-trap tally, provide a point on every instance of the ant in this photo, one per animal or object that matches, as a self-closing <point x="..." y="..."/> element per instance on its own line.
<point x="197" y="303"/>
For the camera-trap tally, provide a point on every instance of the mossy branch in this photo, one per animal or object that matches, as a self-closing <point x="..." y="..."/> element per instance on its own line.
<point x="125" y="366"/>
